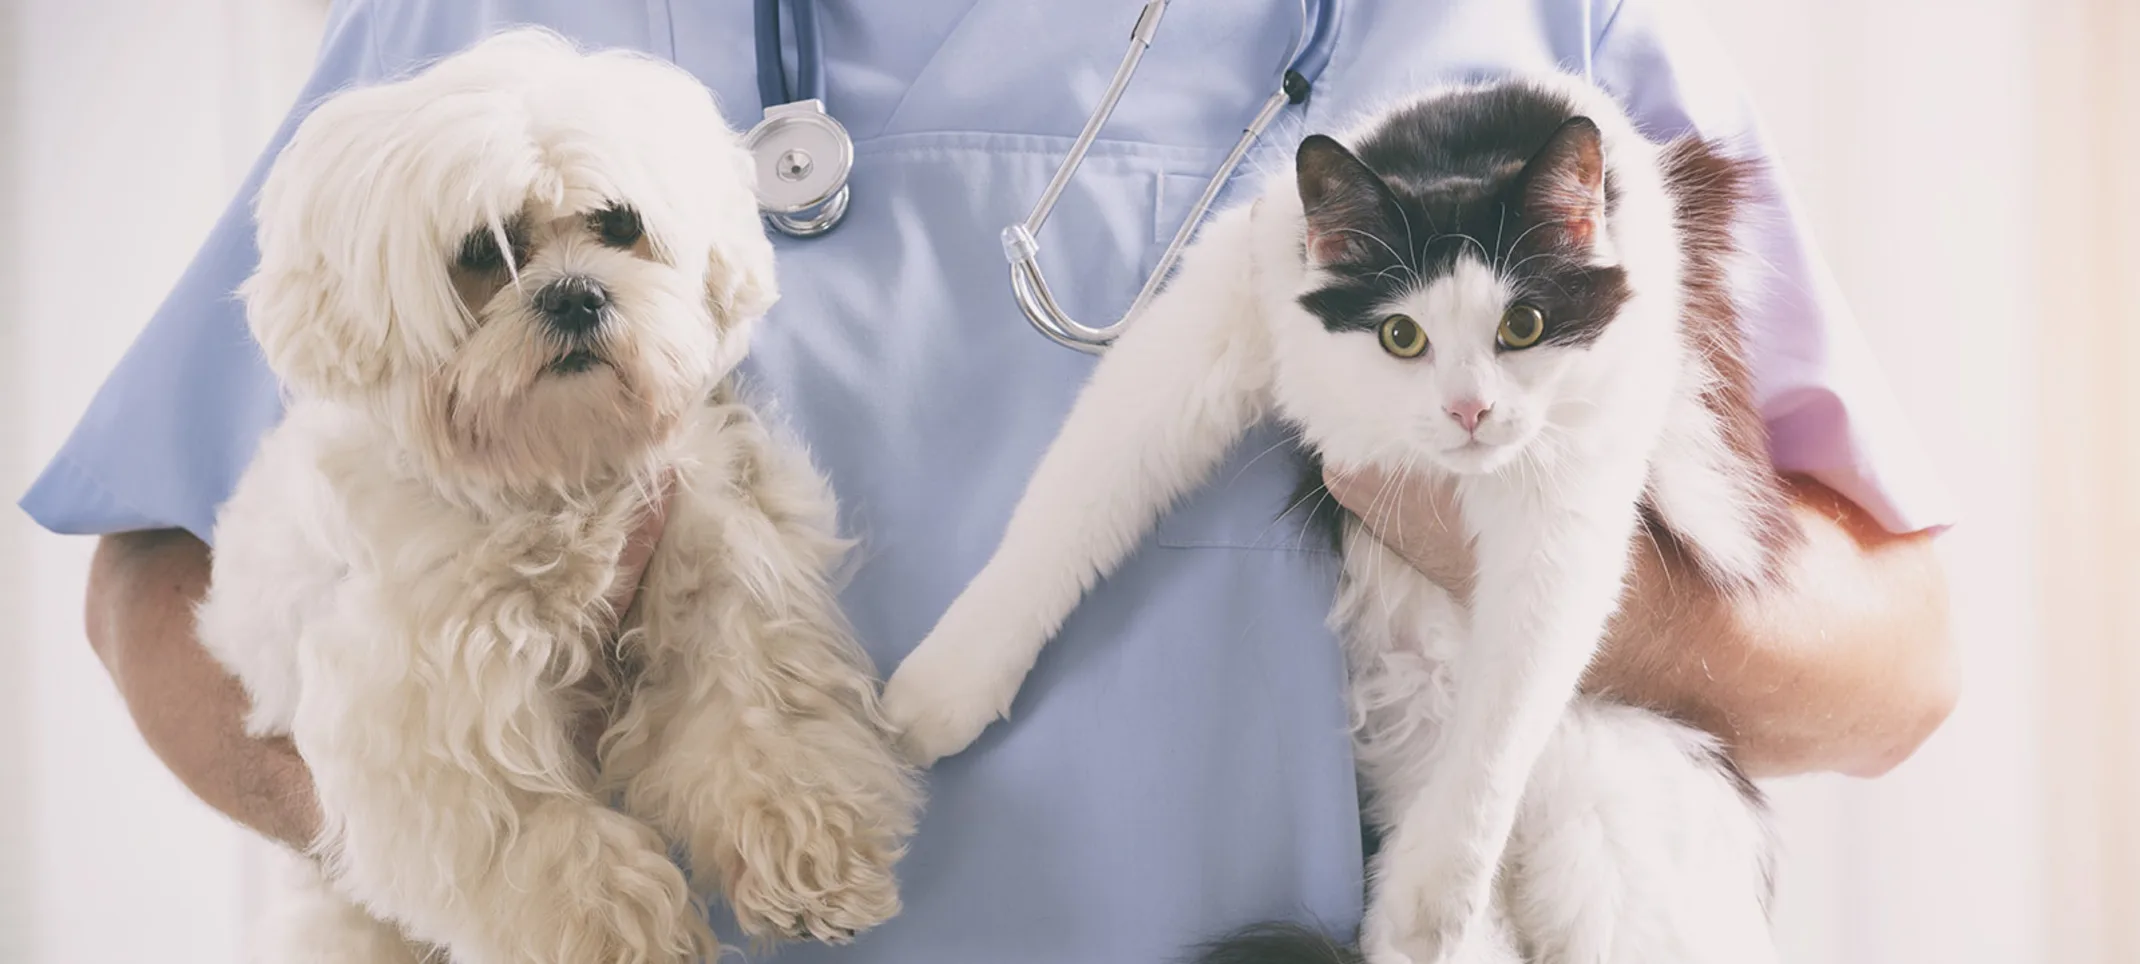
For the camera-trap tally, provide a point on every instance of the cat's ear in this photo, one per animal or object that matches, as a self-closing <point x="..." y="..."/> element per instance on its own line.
<point x="1347" y="207"/>
<point x="1564" y="183"/>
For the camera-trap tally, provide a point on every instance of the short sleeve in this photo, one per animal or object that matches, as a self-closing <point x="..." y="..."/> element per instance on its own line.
<point x="167" y="435"/>
<point x="1830" y="412"/>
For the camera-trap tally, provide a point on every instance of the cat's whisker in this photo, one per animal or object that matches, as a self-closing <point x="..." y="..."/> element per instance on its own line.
<point x="1411" y="245"/>
<point x="1396" y="512"/>
<point x="1657" y="547"/>
<point x="1500" y="228"/>
<point x="1513" y="245"/>
<point x="1394" y="482"/>
<point x="1385" y="244"/>
<point x="1288" y="510"/>
<point x="1283" y="440"/>
<point x="1518" y="266"/>
<point x="1484" y="255"/>
<point x="1322" y="494"/>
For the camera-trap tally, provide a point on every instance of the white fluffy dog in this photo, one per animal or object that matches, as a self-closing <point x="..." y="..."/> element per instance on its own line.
<point x="504" y="295"/>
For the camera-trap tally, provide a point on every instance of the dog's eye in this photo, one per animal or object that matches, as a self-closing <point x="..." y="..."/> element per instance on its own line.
<point x="618" y="226"/>
<point x="479" y="252"/>
<point x="479" y="249"/>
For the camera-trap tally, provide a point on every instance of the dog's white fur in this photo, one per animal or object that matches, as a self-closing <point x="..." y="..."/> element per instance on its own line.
<point x="410" y="578"/>
<point x="1524" y="822"/>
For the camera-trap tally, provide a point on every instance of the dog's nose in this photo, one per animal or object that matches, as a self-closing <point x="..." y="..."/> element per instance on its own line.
<point x="572" y="305"/>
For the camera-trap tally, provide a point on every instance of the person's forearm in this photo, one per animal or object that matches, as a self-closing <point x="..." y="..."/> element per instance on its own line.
<point x="1846" y="665"/>
<point x="139" y="615"/>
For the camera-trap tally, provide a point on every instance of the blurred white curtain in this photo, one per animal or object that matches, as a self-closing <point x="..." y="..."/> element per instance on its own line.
<point x="125" y="125"/>
<point x="1908" y="126"/>
<point x="2088" y="255"/>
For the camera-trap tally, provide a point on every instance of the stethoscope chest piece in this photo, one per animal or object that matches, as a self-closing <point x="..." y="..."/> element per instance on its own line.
<point x="803" y="158"/>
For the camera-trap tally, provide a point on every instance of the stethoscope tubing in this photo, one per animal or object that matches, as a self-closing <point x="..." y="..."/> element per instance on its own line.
<point x="1021" y="247"/>
<point x="773" y="86"/>
<point x="1021" y="244"/>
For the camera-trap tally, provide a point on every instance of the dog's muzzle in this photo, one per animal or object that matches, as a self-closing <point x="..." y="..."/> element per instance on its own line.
<point x="573" y="306"/>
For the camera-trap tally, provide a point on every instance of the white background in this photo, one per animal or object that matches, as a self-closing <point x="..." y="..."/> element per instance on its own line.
<point x="1914" y="129"/>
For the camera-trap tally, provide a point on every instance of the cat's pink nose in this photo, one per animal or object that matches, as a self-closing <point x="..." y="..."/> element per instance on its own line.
<point x="1469" y="413"/>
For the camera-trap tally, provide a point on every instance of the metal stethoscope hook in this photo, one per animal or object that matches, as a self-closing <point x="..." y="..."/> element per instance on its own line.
<point x="1020" y="243"/>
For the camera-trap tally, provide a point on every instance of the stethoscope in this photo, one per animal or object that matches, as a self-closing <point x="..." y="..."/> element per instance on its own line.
<point x="804" y="156"/>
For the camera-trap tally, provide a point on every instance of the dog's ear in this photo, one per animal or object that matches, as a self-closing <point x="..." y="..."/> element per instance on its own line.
<point x="300" y="304"/>
<point x="310" y="342"/>
<point x="741" y="284"/>
<point x="740" y="281"/>
<point x="740" y="289"/>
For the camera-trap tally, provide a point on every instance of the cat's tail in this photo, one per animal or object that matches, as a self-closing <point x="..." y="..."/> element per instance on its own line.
<point x="1278" y="943"/>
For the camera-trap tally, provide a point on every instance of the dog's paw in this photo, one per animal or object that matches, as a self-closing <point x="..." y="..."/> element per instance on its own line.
<point x="945" y="693"/>
<point x="586" y="883"/>
<point x="817" y="869"/>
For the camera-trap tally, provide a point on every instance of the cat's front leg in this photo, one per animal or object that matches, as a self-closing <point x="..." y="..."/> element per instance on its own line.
<point x="1184" y="381"/>
<point x="965" y="673"/>
<point x="1401" y="631"/>
<point x="1551" y="560"/>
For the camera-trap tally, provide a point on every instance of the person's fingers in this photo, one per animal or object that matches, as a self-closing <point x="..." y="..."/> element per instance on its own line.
<point x="1413" y="514"/>
<point x="1353" y="488"/>
<point x="639" y="550"/>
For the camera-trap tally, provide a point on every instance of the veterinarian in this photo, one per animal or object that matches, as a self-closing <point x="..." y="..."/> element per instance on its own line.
<point x="1178" y="764"/>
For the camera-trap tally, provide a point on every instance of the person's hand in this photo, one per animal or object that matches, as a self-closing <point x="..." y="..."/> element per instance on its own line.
<point x="191" y="712"/>
<point x="623" y="597"/>
<point x="1415" y="516"/>
<point x="1846" y="665"/>
<point x="638" y="551"/>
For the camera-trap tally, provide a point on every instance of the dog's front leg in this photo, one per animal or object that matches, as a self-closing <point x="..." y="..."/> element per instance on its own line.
<point x="754" y="736"/>
<point x="454" y="802"/>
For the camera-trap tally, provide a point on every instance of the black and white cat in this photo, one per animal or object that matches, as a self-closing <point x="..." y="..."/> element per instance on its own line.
<point x="1507" y="286"/>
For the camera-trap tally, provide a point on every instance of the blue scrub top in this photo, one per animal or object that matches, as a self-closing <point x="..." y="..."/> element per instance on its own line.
<point x="1178" y="763"/>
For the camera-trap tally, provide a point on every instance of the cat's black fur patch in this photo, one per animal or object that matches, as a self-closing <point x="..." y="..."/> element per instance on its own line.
<point x="1278" y="943"/>
<point x="1444" y="179"/>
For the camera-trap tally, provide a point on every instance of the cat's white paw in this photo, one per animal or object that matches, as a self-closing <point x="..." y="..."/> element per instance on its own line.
<point x="1427" y="911"/>
<point x="945" y="693"/>
<point x="1401" y="939"/>
<point x="1381" y="936"/>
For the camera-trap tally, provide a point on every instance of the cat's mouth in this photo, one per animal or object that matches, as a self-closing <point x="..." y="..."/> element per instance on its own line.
<point x="1474" y="455"/>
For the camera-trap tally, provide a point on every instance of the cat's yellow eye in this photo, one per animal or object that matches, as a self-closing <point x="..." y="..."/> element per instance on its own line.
<point x="1521" y="326"/>
<point x="1402" y="337"/>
